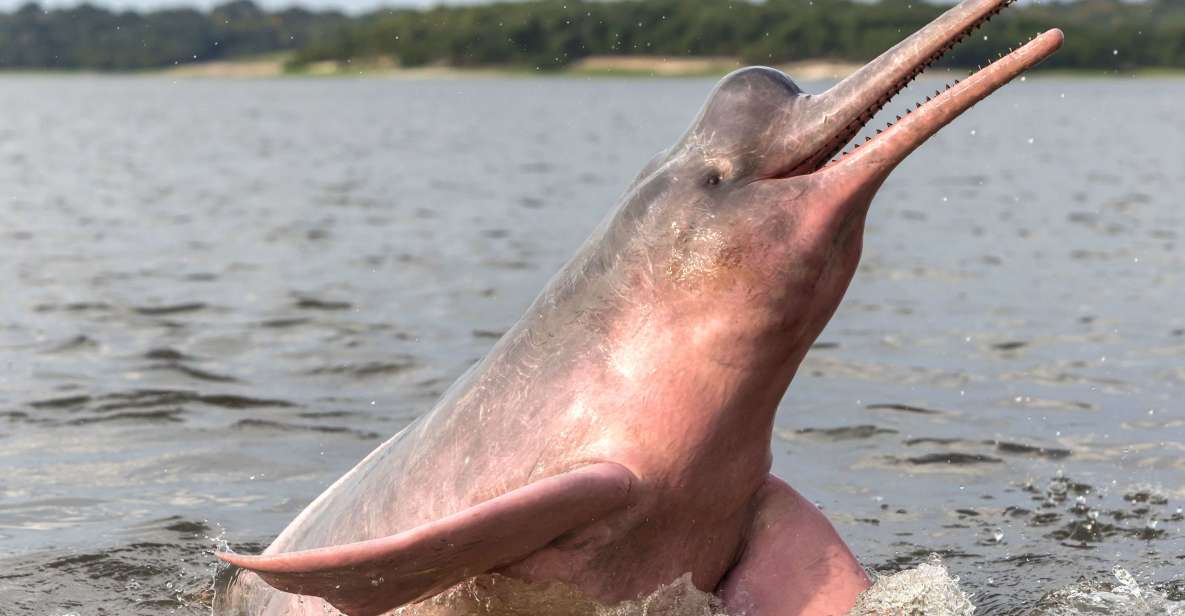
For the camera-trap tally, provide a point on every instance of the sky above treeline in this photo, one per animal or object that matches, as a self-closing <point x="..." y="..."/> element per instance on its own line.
<point x="350" y="6"/>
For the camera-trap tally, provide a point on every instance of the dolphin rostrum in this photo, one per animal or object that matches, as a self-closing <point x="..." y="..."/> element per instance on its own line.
<point x="618" y="436"/>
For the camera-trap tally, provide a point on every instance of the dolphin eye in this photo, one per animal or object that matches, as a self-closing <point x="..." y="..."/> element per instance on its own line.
<point x="713" y="178"/>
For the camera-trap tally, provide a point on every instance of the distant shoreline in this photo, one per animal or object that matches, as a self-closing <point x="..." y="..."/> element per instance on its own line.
<point x="272" y="66"/>
<point x="623" y="38"/>
<point x="277" y="65"/>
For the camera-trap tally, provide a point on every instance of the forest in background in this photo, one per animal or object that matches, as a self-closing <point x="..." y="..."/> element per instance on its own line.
<point x="552" y="34"/>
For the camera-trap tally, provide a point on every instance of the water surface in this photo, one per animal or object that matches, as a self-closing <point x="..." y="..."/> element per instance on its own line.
<point x="221" y="295"/>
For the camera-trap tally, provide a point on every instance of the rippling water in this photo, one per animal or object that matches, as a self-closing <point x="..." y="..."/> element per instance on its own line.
<point x="220" y="296"/>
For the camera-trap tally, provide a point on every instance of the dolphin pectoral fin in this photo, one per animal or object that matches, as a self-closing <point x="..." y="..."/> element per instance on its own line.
<point x="371" y="577"/>
<point x="794" y="562"/>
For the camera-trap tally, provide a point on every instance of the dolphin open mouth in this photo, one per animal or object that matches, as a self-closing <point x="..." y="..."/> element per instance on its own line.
<point x="852" y="103"/>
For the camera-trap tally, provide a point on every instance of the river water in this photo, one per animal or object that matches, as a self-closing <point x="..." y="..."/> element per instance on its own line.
<point x="220" y="295"/>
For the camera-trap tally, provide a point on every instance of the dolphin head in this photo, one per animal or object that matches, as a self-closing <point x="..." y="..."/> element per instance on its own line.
<point x="750" y="222"/>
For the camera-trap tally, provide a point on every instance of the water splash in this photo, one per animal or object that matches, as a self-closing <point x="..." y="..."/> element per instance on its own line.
<point x="927" y="590"/>
<point x="1123" y="596"/>
<point x="495" y="595"/>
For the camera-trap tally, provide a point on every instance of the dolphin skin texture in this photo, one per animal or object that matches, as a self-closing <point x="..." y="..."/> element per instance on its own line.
<point x="618" y="437"/>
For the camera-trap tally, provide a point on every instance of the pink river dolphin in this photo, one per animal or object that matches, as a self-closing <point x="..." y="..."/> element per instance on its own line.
<point x="618" y="437"/>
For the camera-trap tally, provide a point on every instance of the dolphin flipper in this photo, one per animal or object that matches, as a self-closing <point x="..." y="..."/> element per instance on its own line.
<point x="371" y="577"/>
<point x="794" y="562"/>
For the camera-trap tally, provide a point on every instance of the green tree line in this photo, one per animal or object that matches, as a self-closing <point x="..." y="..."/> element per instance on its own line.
<point x="93" y="38"/>
<point x="551" y="34"/>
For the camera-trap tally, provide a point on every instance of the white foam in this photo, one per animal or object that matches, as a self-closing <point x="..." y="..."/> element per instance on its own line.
<point x="927" y="590"/>
<point x="493" y="595"/>
<point x="1124" y="596"/>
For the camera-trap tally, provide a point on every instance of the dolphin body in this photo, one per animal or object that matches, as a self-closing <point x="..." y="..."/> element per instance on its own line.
<point x="618" y="436"/>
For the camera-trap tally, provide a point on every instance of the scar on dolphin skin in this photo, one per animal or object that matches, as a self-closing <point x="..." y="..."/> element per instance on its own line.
<point x="617" y="438"/>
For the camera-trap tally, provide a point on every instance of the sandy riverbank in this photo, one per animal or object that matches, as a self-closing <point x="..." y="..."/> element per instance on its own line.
<point x="608" y="66"/>
<point x="276" y="65"/>
<point x="658" y="66"/>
